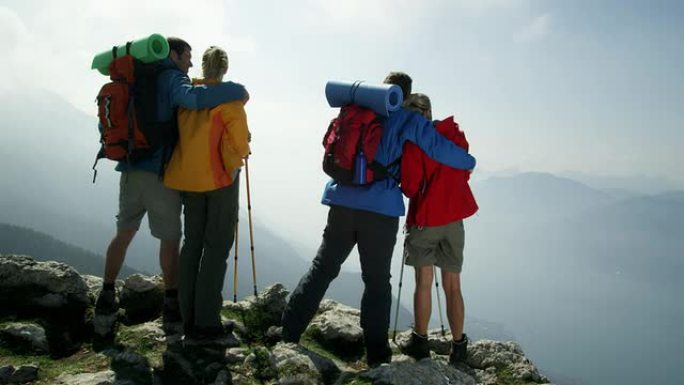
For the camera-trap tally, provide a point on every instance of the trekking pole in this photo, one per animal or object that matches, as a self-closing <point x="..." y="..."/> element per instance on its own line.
<point x="439" y="301"/>
<point x="251" y="231"/>
<point x="235" y="275"/>
<point x="396" y="313"/>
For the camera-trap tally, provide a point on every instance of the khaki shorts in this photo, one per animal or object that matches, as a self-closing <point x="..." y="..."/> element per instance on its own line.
<point x="441" y="246"/>
<point x="143" y="192"/>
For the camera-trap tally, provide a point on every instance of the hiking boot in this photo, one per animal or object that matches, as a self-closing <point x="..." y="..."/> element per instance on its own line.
<point x="459" y="351"/>
<point x="209" y="337"/>
<point x="106" y="303"/>
<point x="384" y="357"/>
<point x="417" y="346"/>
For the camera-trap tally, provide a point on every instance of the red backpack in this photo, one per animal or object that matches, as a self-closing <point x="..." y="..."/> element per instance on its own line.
<point x="128" y="112"/>
<point x="356" y="132"/>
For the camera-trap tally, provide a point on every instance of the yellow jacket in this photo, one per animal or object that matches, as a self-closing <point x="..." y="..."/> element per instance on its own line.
<point x="211" y="146"/>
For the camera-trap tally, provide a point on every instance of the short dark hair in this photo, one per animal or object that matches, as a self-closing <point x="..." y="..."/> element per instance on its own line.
<point x="178" y="45"/>
<point x="402" y="80"/>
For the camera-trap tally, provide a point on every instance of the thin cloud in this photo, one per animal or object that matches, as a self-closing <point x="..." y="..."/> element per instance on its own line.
<point x="12" y="30"/>
<point x="535" y="31"/>
<point x="56" y="45"/>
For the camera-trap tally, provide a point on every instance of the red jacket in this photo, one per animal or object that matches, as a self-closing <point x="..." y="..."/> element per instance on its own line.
<point x="438" y="194"/>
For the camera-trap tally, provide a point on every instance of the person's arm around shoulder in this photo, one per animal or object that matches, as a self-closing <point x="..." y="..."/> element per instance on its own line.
<point x="184" y="94"/>
<point x="421" y="132"/>
<point x="234" y="121"/>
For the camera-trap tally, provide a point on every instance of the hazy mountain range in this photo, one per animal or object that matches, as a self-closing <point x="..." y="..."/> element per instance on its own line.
<point x="42" y="247"/>
<point x="584" y="271"/>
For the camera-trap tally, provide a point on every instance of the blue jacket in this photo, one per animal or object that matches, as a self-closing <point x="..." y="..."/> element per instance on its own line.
<point x="174" y="90"/>
<point x="384" y="196"/>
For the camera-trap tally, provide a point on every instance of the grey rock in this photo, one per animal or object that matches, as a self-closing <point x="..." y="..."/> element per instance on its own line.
<point x="94" y="286"/>
<point x="273" y="335"/>
<point x="236" y="356"/>
<point x="131" y="366"/>
<point x="339" y="322"/>
<point x="104" y="325"/>
<point x="423" y="372"/>
<point x="100" y="378"/>
<point x="297" y="364"/>
<point x="142" y="298"/>
<point x="51" y="300"/>
<point x="6" y="373"/>
<point x="337" y="327"/>
<point x="150" y="334"/>
<point x="259" y="313"/>
<point x="486" y="354"/>
<point x="438" y="343"/>
<point x="487" y="376"/>
<point x="32" y="284"/>
<point x="25" y="336"/>
<point x="152" y="329"/>
<point x="24" y="374"/>
<point x="242" y="379"/>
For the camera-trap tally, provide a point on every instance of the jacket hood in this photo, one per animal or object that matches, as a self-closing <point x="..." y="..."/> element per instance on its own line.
<point x="450" y="130"/>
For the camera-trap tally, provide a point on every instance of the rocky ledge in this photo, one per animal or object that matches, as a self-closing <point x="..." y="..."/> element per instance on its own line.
<point x="49" y="335"/>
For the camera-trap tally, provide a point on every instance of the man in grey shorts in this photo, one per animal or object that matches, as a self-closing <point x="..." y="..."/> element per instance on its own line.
<point x="440" y="198"/>
<point x="142" y="190"/>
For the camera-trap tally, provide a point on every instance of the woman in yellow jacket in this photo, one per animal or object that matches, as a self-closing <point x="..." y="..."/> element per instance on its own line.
<point x="205" y="166"/>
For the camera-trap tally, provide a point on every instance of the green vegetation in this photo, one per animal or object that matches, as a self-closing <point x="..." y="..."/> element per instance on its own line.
<point x="84" y="361"/>
<point x="505" y="377"/>
<point x="141" y="341"/>
<point x="257" y="320"/>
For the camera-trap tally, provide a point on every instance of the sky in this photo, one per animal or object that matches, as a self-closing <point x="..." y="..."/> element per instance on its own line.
<point x="552" y="86"/>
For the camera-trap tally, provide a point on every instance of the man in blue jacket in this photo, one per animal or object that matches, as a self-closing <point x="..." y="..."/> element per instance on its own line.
<point x="142" y="190"/>
<point x="368" y="216"/>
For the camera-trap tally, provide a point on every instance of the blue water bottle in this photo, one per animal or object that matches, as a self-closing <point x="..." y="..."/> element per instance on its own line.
<point x="360" y="164"/>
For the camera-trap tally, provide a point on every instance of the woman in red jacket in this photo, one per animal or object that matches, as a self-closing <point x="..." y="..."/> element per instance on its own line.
<point x="440" y="198"/>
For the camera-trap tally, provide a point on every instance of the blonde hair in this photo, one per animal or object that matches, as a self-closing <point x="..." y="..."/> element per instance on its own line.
<point x="214" y="63"/>
<point x="419" y="103"/>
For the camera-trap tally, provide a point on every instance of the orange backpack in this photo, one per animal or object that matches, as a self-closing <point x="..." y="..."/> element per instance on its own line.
<point x="128" y="112"/>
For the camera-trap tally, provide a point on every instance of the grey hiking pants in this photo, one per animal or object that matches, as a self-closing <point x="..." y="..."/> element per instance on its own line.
<point x="210" y="219"/>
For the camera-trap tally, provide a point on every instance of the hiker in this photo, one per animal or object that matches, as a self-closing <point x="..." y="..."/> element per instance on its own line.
<point x="439" y="199"/>
<point x="205" y="168"/>
<point x="141" y="188"/>
<point x="368" y="216"/>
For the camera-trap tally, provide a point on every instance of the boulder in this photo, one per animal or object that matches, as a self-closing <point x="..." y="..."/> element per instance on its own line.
<point x="236" y="356"/>
<point x="132" y="367"/>
<point x="6" y="373"/>
<point x="24" y="374"/>
<point x="486" y="354"/>
<point x="51" y="291"/>
<point x="259" y="313"/>
<point x="423" y="372"/>
<point x="142" y="298"/>
<point x="298" y="365"/>
<point x="24" y="337"/>
<point x="39" y="288"/>
<point x="337" y="327"/>
<point x="100" y="378"/>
